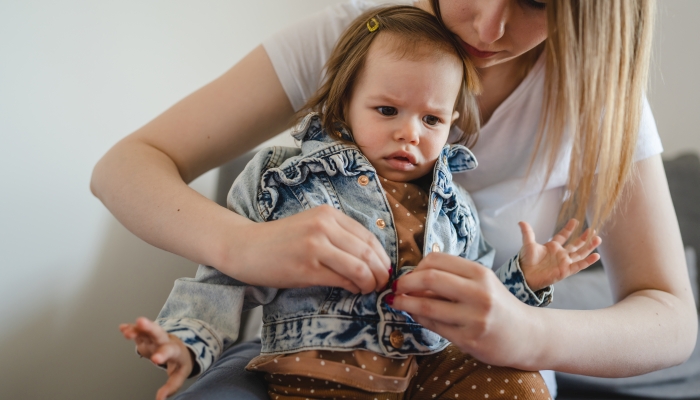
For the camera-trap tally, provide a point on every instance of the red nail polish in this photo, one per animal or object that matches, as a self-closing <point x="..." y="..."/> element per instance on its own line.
<point x="393" y="286"/>
<point x="391" y="271"/>
<point x="389" y="299"/>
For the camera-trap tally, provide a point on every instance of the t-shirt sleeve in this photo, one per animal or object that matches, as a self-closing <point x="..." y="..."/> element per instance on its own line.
<point x="648" y="140"/>
<point x="300" y="51"/>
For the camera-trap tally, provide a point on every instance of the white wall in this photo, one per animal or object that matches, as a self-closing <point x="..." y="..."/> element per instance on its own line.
<point x="75" y="77"/>
<point x="675" y="80"/>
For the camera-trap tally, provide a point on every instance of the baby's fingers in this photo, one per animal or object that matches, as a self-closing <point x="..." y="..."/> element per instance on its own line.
<point x="165" y="353"/>
<point x="585" y="263"/>
<point x="563" y="235"/>
<point x="585" y="250"/>
<point x="175" y="380"/>
<point x="527" y="232"/>
<point x="152" y="330"/>
<point x="128" y="331"/>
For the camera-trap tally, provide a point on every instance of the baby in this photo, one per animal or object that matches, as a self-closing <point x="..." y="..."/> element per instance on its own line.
<point x="373" y="145"/>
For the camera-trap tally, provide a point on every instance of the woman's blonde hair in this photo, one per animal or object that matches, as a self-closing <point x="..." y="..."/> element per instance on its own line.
<point x="597" y="63"/>
<point x="416" y="34"/>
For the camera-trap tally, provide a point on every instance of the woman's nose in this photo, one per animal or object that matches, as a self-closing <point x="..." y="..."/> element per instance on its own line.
<point x="490" y="21"/>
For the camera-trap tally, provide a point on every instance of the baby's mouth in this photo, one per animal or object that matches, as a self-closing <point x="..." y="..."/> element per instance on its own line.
<point x="401" y="161"/>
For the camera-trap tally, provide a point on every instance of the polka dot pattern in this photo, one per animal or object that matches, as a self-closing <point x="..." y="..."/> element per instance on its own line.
<point x="439" y="376"/>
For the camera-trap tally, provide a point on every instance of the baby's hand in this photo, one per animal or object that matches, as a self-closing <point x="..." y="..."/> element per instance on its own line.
<point x="547" y="264"/>
<point x="154" y="343"/>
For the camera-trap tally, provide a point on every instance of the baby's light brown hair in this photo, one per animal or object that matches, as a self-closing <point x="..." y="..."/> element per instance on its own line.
<point x="416" y="35"/>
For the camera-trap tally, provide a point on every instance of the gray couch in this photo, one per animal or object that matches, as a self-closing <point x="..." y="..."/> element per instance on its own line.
<point x="680" y="382"/>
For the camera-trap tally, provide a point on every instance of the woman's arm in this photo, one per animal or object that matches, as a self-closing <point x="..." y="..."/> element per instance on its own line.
<point x="654" y="321"/>
<point x="652" y="325"/>
<point x="143" y="181"/>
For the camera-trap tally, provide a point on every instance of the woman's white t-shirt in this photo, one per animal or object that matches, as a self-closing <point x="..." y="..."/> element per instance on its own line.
<point x="499" y="186"/>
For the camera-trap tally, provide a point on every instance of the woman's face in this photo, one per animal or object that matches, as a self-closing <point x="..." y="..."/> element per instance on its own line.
<point x="496" y="31"/>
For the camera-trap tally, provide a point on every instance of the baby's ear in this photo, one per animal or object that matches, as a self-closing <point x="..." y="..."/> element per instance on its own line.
<point x="455" y="115"/>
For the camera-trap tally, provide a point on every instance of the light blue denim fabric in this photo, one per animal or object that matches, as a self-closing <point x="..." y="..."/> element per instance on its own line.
<point x="279" y="182"/>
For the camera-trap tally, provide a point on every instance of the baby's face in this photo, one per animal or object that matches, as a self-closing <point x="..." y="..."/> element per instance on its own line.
<point x="401" y="110"/>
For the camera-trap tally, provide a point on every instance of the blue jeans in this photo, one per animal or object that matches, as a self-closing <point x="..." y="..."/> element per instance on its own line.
<point x="228" y="379"/>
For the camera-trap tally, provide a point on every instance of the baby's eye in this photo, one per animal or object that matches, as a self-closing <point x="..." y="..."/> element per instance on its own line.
<point x="388" y="111"/>
<point x="431" y="120"/>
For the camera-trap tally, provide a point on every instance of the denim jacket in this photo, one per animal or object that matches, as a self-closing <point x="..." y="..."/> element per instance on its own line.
<point x="204" y="312"/>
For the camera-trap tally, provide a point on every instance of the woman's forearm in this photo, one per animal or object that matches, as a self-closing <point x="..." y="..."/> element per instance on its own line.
<point x="647" y="331"/>
<point x="142" y="187"/>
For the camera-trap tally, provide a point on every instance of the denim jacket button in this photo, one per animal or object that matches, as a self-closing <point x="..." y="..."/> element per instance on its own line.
<point x="380" y="223"/>
<point x="435" y="204"/>
<point x="436" y="248"/>
<point x="444" y="159"/>
<point x="396" y="339"/>
<point x="363" y="180"/>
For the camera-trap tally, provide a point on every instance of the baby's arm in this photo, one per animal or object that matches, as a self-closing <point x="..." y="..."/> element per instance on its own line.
<point x="153" y="343"/>
<point x="549" y="263"/>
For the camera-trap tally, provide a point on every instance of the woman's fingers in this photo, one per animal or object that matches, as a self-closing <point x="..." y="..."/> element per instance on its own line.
<point x="321" y="246"/>
<point x="359" y="243"/>
<point x="438" y="310"/>
<point x="365" y="236"/>
<point x="442" y="283"/>
<point x="326" y="276"/>
<point x="452" y="264"/>
<point x="348" y="266"/>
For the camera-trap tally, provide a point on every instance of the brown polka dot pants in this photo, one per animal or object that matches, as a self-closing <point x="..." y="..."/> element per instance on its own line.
<point x="445" y="375"/>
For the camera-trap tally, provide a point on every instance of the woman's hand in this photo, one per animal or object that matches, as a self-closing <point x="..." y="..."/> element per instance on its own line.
<point x="155" y="344"/>
<point x="465" y="302"/>
<point x="321" y="246"/>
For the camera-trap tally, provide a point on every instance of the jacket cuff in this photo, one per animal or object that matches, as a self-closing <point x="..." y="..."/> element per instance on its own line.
<point x="513" y="278"/>
<point x="198" y="338"/>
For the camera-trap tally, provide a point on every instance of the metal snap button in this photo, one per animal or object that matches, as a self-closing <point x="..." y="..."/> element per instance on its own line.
<point x="363" y="180"/>
<point x="436" y="248"/>
<point x="396" y="339"/>
<point x="380" y="223"/>
<point x="444" y="159"/>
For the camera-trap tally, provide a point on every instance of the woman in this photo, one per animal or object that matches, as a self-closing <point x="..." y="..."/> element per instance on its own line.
<point x="532" y="56"/>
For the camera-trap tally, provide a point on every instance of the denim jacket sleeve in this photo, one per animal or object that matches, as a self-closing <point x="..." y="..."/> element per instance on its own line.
<point x="204" y="312"/>
<point x="513" y="277"/>
<point x="510" y="272"/>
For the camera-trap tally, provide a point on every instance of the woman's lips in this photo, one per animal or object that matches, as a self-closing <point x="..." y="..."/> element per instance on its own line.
<point x="473" y="51"/>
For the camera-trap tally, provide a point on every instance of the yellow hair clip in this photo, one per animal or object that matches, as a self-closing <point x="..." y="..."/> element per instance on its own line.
<point x="372" y="24"/>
